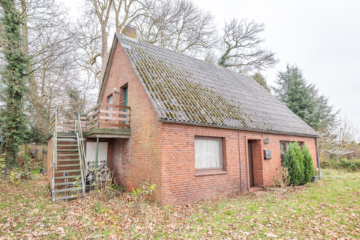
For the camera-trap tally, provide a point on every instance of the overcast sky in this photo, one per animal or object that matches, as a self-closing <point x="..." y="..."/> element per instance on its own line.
<point x="322" y="37"/>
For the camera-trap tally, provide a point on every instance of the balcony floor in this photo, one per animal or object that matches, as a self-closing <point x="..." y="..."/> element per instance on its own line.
<point x="108" y="133"/>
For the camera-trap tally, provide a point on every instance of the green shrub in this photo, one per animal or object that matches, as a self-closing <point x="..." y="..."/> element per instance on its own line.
<point x="308" y="164"/>
<point x="294" y="162"/>
<point x="345" y="164"/>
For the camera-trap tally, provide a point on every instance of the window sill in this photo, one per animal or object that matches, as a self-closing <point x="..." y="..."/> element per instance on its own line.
<point x="208" y="172"/>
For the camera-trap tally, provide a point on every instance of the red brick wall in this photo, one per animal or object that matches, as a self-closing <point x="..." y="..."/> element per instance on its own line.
<point x="121" y="165"/>
<point x="179" y="183"/>
<point x="137" y="159"/>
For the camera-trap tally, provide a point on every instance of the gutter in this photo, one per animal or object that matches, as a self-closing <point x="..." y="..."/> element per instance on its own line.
<point x="237" y="128"/>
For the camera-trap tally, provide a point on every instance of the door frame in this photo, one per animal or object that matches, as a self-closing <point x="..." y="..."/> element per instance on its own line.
<point x="250" y="154"/>
<point x="257" y="138"/>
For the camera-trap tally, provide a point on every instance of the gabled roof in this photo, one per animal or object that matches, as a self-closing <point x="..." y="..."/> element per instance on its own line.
<point x="188" y="90"/>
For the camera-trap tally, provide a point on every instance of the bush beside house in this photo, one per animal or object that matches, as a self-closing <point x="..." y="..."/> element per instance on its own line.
<point x="299" y="163"/>
<point x="308" y="164"/>
<point x="293" y="161"/>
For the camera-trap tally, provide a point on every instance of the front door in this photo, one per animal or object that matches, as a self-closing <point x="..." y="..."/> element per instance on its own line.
<point x="251" y="164"/>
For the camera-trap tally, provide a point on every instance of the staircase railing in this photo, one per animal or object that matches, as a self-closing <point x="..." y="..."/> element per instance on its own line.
<point x="53" y="126"/>
<point x="82" y="157"/>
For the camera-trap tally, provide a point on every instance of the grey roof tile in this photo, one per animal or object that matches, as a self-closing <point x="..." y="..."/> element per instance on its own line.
<point x="186" y="89"/>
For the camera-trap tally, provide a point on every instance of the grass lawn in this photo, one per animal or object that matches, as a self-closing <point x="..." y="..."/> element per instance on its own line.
<point x="328" y="209"/>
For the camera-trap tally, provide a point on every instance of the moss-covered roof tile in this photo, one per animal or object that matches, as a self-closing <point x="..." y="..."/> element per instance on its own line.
<point x="186" y="89"/>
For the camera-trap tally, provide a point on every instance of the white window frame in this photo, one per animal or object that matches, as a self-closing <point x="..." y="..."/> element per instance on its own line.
<point x="220" y="153"/>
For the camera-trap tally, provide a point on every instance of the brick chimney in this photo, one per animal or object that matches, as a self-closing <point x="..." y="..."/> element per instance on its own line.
<point x="129" y="31"/>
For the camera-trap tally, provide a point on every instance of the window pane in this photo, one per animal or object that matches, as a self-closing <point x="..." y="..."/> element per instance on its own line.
<point x="282" y="152"/>
<point x="208" y="153"/>
<point x="282" y="148"/>
<point x="110" y="101"/>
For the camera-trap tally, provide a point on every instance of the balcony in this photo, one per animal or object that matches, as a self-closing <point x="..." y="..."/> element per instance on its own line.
<point x="103" y="120"/>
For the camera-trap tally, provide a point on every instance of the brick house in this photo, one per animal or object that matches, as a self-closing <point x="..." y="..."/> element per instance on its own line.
<point x="196" y="130"/>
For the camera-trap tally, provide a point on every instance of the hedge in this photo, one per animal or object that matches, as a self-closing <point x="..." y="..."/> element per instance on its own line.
<point x="349" y="165"/>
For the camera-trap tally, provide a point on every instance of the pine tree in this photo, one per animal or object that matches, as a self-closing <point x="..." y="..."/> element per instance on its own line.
<point x="300" y="102"/>
<point x="13" y="80"/>
<point x="261" y="80"/>
<point x="293" y="161"/>
<point x="308" y="164"/>
<point x="324" y="115"/>
<point x="303" y="99"/>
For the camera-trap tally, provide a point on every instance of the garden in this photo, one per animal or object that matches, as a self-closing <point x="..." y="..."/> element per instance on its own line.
<point x="326" y="209"/>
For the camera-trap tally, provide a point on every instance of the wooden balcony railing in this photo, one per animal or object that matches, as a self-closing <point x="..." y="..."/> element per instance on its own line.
<point x="100" y="116"/>
<point x="108" y="116"/>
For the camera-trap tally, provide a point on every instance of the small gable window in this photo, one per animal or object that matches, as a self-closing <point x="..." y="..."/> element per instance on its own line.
<point x="110" y="101"/>
<point x="208" y="153"/>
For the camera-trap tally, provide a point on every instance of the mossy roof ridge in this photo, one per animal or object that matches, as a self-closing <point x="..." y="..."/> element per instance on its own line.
<point x="186" y="89"/>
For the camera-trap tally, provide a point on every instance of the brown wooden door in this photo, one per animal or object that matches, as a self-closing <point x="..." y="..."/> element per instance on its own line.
<point x="251" y="164"/>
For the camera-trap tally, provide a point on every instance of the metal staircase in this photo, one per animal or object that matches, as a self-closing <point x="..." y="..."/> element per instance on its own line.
<point x="68" y="172"/>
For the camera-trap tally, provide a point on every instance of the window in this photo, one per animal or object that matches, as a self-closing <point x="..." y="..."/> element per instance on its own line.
<point x="208" y="153"/>
<point x="284" y="146"/>
<point x="110" y="101"/>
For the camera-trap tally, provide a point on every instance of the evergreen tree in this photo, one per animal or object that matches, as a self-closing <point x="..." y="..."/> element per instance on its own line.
<point x="300" y="102"/>
<point x="324" y="115"/>
<point x="308" y="164"/>
<point x="13" y="80"/>
<point x="261" y="80"/>
<point x="293" y="161"/>
<point x="303" y="99"/>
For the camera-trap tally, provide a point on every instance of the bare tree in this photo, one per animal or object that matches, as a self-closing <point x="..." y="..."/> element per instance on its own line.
<point x="88" y="39"/>
<point x="347" y="131"/>
<point x="126" y="11"/>
<point x="102" y="10"/>
<point x="178" y="25"/>
<point x="240" y="47"/>
<point x="51" y="46"/>
<point x="98" y="20"/>
<point x="210" y="56"/>
<point x="342" y="136"/>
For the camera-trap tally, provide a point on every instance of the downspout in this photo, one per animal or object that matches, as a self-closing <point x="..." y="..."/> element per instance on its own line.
<point x="240" y="162"/>
<point x="246" y="163"/>
<point x="318" y="157"/>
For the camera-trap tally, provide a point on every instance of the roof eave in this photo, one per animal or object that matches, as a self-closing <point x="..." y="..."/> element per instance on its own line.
<point x="238" y="128"/>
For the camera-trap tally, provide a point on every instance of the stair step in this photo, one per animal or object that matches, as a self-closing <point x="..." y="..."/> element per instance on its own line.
<point x="67" y="183"/>
<point x="68" y="165"/>
<point x="67" y="150"/>
<point x="64" y="177"/>
<point x="66" y="145"/>
<point x="62" y="155"/>
<point x="72" y="170"/>
<point x="67" y="190"/>
<point x="69" y="197"/>
<point x="67" y="160"/>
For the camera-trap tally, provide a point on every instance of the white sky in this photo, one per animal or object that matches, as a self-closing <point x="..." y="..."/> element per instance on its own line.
<point x="321" y="36"/>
